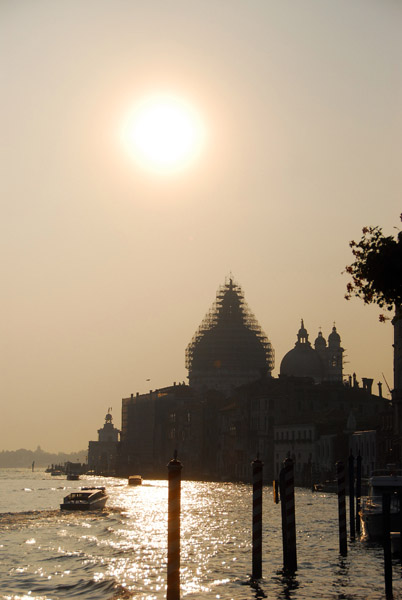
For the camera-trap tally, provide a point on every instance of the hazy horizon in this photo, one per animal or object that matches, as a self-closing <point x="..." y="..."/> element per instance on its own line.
<point x="108" y="268"/>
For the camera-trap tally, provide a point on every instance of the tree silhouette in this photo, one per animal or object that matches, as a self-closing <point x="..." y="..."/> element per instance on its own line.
<point x="377" y="269"/>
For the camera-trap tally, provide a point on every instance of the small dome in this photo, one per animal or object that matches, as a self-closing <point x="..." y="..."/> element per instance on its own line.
<point x="302" y="335"/>
<point x="334" y="339"/>
<point x="320" y="341"/>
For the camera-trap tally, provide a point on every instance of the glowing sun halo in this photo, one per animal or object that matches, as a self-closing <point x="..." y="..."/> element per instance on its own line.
<point x="163" y="134"/>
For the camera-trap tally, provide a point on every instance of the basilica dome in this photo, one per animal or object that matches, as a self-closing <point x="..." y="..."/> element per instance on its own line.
<point x="229" y="347"/>
<point x="302" y="360"/>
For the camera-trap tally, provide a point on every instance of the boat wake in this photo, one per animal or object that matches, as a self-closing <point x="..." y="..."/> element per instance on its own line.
<point x="8" y="519"/>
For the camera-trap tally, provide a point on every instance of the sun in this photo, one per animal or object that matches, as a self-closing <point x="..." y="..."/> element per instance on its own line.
<point x="163" y="134"/>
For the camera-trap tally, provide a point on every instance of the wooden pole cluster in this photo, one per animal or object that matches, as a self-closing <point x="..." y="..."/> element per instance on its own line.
<point x="257" y="518"/>
<point x="173" y="563"/>
<point x="340" y="473"/>
<point x="287" y="499"/>
<point x="287" y="494"/>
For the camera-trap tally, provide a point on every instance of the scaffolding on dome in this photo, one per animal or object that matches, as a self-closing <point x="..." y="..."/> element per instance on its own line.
<point x="230" y="305"/>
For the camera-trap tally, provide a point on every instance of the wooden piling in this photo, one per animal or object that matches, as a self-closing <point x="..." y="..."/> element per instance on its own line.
<point x="340" y="473"/>
<point x="386" y="511"/>
<point x="173" y="563"/>
<point x="287" y="494"/>
<point x="275" y="486"/>
<point x="358" y="491"/>
<point x="351" y="472"/>
<point x="400" y="524"/>
<point x="257" y="518"/>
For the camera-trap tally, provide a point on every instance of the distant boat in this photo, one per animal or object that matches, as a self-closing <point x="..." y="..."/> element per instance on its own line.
<point x="73" y="476"/>
<point x="135" y="480"/>
<point x="85" y="499"/>
<point x="55" y="470"/>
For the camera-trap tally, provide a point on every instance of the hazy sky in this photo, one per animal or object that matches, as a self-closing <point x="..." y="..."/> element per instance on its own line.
<point x="107" y="269"/>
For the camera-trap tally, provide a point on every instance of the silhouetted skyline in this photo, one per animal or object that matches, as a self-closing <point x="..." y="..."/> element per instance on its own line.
<point x="108" y="268"/>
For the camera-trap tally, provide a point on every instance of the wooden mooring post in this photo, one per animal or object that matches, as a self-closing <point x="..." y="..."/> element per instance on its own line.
<point x="275" y="491"/>
<point x="400" y="524"/>
<point x="358" y="491"/>
<point x="257" y="518"/>
<point x="351" y="472"/>
<point x="287" y="496"/>
<point x="386" y="511"/>
<point x="173" y="562"/>
<point x="340" y="474"/>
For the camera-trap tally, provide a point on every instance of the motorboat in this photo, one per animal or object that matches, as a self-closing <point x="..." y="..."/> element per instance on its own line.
<point x="86" y="498"/>
<point x="135" y="480"/>
<point x="383" y="481"/>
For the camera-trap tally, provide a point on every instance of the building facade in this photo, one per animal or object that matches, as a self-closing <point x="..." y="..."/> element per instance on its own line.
<point x="102" y="454"/>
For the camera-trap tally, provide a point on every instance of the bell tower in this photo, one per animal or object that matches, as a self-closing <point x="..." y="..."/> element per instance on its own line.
<point x="334" y="362"/>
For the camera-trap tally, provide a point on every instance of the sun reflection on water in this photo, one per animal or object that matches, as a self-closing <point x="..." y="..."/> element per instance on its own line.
<point x="121" y="553"/>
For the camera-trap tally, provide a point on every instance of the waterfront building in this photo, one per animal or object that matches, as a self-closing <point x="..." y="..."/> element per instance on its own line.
<point x="254" y="412"/>
<point x="156" y="424"/>
<point x="365" y="443"/>
<point x="233" y="409"/>
<point x="298" y="443"/>
<point x="102" y="454"/>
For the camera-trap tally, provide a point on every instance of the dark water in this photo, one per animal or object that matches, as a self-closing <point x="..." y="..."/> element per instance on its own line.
<point x="121" y="552"/>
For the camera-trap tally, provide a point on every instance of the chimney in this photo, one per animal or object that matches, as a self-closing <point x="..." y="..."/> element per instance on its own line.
<point x="367" y="384"/>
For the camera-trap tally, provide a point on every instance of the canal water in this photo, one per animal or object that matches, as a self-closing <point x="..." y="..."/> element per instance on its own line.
<point x="120" y="553"/>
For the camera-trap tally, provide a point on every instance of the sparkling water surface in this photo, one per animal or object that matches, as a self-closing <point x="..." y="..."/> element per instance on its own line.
<point x="120" y="553"/>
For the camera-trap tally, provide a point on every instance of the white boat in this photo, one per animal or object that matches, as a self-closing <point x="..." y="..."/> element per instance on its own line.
<point x="386" y="480"/>
<point x="85" y="499"/>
